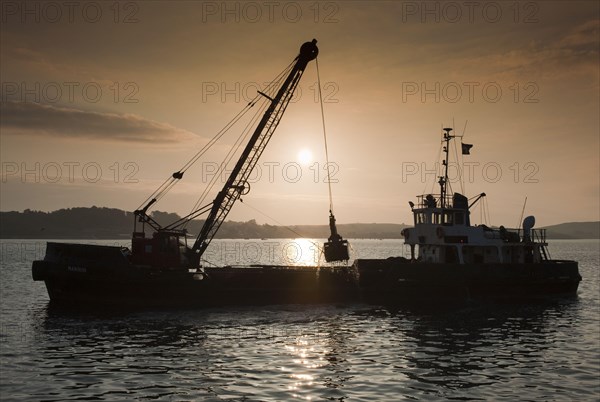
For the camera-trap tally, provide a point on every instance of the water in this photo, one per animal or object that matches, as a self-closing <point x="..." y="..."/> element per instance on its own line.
<point x="545" y="351"/>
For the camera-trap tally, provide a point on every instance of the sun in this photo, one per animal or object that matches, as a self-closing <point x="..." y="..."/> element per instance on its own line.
<point x="305" y="156"/>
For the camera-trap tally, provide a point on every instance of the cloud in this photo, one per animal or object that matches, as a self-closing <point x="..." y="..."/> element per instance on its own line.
<point x="46" y="120"/>
<point x="583" y="35"/>
<point x="574" y="53"/>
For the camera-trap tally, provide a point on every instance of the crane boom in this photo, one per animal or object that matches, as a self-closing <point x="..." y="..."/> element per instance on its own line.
<point x="237" y="183"/>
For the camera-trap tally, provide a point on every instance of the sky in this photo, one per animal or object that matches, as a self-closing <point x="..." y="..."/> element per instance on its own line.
<point x="102" y="101"/>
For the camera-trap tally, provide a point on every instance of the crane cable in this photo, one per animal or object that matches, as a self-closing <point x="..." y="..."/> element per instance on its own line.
<point x="223" y="165"/>
<point x="175" y="178"/>
<point x="286" y="227"/>
<point x="324" y="138"/>
<point x="172" y="180"/>
<point x="271" y="89"/>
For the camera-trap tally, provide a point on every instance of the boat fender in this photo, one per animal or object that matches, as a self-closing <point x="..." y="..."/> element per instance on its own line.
<point x="440" y="232"/>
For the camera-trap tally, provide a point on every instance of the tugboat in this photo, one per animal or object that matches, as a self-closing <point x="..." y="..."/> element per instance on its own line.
<point x="452" y="260"/>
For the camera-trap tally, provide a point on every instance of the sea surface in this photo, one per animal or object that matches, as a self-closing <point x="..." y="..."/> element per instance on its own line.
<point x="545" y="351"/>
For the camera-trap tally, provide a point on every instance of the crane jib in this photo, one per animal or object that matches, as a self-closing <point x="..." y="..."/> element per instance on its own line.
<point x="236" y="184"/>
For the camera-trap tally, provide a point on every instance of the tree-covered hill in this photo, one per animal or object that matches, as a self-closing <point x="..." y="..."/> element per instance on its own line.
<point x="111" y="223"/>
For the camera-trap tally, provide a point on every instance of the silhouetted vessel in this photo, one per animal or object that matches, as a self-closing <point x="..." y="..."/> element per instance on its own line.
<point x="162" y="269"/>
<point x="455" y="260"/>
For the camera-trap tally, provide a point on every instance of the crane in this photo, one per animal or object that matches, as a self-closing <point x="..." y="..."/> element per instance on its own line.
<point x="167" y="238"/>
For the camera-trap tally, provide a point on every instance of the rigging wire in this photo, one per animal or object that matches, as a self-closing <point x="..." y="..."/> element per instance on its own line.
<point x="522" y="213"/>
<point x="462" y="161"/>
<point x="436" y="169"/>
<point x="324" y="137"/>
<point x="480" y="207"/>
<point x="319" y="246"/>
<point x="458" y="166"/>
<point x="223" y="165"/>
<point x="238" y="143"/>
<point x="172" y="179"/>
<point x="271" y="89"/>
<point x="300" y="235"/>
<point x="484" y="207"/>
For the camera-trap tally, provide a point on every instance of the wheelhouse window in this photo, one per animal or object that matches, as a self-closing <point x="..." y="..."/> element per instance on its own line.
<point x="428" y="217"/>
<point x="448" y="218"/>
<point x="423" y="217"/>
<point x="420" y="217"/>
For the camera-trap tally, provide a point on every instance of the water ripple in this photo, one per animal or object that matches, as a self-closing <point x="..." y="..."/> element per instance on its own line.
<point x="546" y="351"/>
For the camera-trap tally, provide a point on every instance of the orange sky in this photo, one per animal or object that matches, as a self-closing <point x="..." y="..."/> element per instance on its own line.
<point x="101" y="102"/>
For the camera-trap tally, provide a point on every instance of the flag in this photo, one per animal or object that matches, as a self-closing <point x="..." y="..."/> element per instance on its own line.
<point x="466" y="148"/>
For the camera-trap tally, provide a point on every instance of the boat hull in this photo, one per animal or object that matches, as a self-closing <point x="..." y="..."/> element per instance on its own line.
<point x="228" y="286"/>
<point x="83" y="274"/>
<point x="397" y="280"/>
<point x="78" y="274"/>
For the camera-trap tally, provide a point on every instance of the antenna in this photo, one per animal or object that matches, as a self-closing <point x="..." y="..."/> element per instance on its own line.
<point x="522" y="213"/>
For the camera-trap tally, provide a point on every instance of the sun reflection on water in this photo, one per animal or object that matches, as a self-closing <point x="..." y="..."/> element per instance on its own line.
<point x="307" y="357"/>
<point x="302" y="252"/>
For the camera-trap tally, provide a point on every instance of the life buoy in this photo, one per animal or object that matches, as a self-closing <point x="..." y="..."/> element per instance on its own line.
<point x="440" y="232"/>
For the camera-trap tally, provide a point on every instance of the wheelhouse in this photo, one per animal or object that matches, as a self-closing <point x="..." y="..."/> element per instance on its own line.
<point x="442" y="231"/>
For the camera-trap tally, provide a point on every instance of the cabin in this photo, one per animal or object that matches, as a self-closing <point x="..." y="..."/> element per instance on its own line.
<point x="164" y="249"/>
<point x="442" y="233"/>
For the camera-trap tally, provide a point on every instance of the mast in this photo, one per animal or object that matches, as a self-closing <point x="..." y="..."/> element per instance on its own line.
<point x="237" y="183"/>
<point x="443" y="180"/>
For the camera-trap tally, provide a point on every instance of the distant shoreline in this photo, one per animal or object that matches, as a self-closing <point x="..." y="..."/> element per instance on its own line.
<point x="114" y="224"/>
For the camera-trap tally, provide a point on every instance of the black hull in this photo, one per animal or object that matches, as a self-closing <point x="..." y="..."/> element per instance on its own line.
<point x="396" y="281"/>
<point x="228" y="286"/>
<point x="87" y="274"/>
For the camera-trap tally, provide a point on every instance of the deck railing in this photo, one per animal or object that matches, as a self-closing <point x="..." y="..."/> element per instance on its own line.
<point x="422" y="202"/>
<point x="535" y="236"/>
<point x="515" y="235"/>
